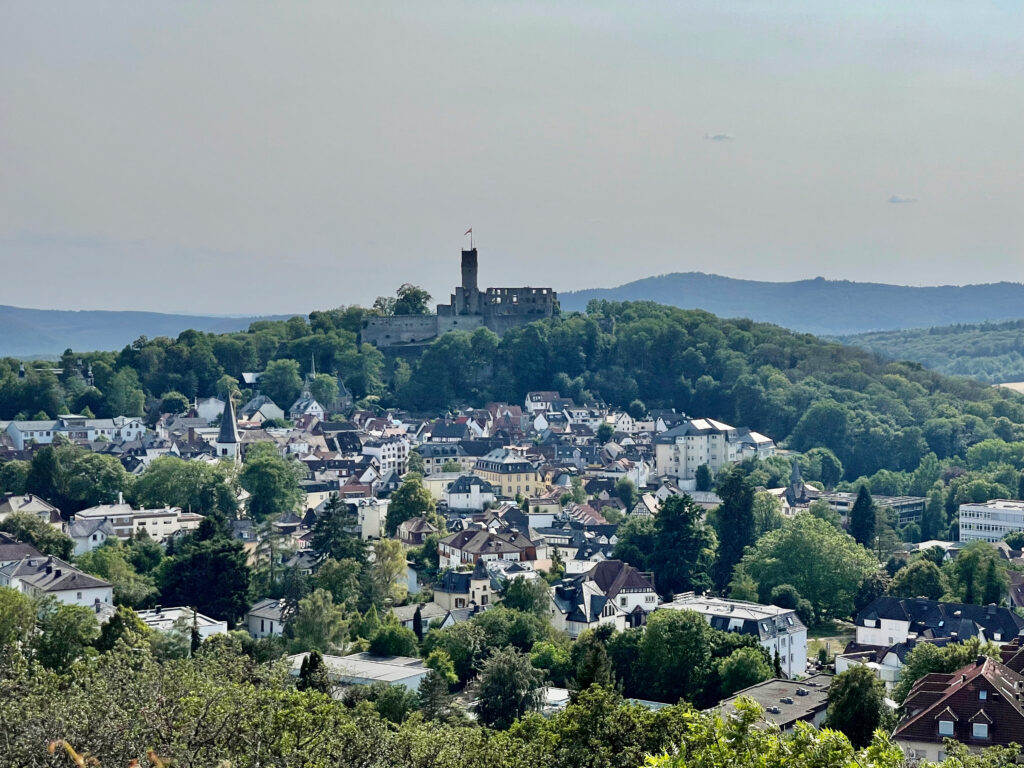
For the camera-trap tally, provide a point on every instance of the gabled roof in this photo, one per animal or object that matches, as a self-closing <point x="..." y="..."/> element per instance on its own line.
<point x="984" y="691"/>
<point x="83" y="529"/>
<point x="614" y="576"/>
<point x="51" y="574"/>
<point x="930" y="618"/>
<point x="465" y="484"/>
<point x="12" y="550"/>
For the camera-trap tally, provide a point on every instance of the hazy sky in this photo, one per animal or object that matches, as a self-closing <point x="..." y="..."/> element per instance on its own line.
<point x="251" y="157"/>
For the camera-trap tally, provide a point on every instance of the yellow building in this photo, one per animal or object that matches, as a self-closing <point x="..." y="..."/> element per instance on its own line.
<point x="510" y="472"/>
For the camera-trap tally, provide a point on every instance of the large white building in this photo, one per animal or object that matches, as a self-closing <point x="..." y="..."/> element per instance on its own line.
<point x="160" y="524"/>
<point x="779" y="630"/>
<point x="991" y="520"/>
<point x="680" y="451"/>
<point x="75" y="428"/>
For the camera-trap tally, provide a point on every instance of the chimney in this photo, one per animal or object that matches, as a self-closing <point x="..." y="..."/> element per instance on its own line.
<point x="57" y="573"/>
<point x="120" y="497"/>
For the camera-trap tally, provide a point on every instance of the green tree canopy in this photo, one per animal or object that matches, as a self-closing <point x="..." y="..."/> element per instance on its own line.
<point x="825" y="565"/>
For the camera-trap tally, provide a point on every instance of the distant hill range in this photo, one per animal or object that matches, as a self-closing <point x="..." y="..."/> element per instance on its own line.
<point x="48" y="332"/>
<point x="992" y="352"/>
<point x="819" y="306"/>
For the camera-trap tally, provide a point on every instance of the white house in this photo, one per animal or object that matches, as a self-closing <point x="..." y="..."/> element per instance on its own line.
<point x="779" y="630"/>
<point x="266" y="618"/>
<point x="166" y="619"/>
<point x="611" y="592"/>
<point x="681" y="450"/>
<point x="89" y="534"/>
<point x="41" y="576"/>
<point x="470" y="492"/>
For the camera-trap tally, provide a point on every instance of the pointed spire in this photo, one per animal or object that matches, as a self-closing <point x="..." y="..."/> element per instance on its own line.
<point x="795" y="476"/>
<point x="312" y="366"/>
<point x="228" y="428"/>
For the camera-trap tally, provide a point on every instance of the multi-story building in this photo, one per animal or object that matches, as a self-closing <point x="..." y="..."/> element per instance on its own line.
<point x="77" y="429"/>
<point x="680" y="451"/>
<point x="991" y="520"/>
<point x="160" y="524"/>
<point x="978" y="705"/>
<point x="779" y="630"/>
<point x="467" y="547"/>
<point x="509" y="472"/>
<point x="392" y="453"/>
<point x="908" y="509"/>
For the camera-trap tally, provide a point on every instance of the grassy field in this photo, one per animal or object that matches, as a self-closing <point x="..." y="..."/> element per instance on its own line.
<point x="832" y="635"/>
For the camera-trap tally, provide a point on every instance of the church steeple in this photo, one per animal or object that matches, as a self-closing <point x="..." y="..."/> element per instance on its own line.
<point x="227" y="439"/>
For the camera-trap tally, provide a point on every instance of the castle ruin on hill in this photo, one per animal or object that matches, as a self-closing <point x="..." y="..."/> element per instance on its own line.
<point x="498" y="309"/>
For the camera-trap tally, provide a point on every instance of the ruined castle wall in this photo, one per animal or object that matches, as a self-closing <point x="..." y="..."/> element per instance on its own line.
<point x="398" y="329"/>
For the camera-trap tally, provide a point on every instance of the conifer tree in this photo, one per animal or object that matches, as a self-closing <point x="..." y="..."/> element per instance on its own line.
<point x="862" y="518"/>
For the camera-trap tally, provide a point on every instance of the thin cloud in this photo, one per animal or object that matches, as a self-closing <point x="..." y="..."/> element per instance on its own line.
<point x="902" y="199"/>
<point x="719" y="136"/>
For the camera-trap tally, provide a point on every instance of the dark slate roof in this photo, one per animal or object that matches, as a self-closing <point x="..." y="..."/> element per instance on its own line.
<point x="930" y="618"/>
<point x="440" y="450"/>
<point x="228" y="428"/>
<point x="465" y="484"/>
<point x="51" y="574"/>
<point x="615" y="576"/>
<point x="12" y="550"/>
<point x="442" y="430"/>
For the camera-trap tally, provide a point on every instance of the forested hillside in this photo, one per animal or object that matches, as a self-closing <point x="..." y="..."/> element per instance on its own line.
<point x="828" y="307"/>
<point x="992" y="352"/>
<point x="796" y="388"/>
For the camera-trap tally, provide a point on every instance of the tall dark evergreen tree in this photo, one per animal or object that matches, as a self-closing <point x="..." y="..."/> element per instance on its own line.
<point x="331" y="536"/>
<point x="417" y="623"/>
<point x="684" y="548"/>
<point x="313" y="674"/>
<point x="862" y="518"/>
<point x="703" y="478"/>
<point x="734" y="522"/>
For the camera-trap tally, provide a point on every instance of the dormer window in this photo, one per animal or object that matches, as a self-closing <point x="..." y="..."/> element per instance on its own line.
<point x="979" y="730"/>
<point x="945" y="727"/>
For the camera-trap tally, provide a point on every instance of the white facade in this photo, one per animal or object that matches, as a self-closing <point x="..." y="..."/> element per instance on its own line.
<point x="372" y="514"/>
<point x="76" y="429"/>
<point x="266" y="618"/>
<point x="778" y="629"/>
<point x="992" y="520"/>
<point x="160" y="524"/>
<point x="392" y="454"/>
<point x="883" y="632"/>
<point x="167" y="619"/>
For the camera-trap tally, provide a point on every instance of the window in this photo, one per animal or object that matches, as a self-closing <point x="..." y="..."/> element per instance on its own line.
<point x="622" y="601"/>
<point x="262" y="625"/>
<point x="945" y="727"/>
<point x="980" y="730"/>
<point x="78" y="595"/>
<point x="982" y="694"/>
